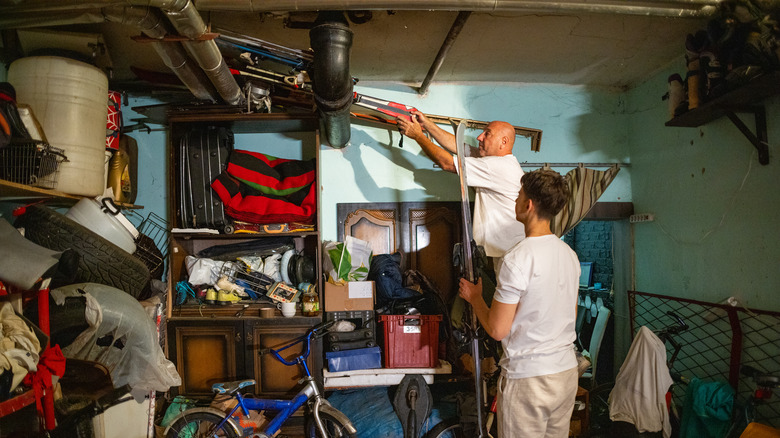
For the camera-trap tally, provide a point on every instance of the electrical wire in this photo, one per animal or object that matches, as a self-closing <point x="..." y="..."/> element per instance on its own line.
<point x="725" y="213"/>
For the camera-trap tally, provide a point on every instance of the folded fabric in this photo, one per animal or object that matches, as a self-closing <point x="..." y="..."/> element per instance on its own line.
<point x="262" y="189"/>
<point x="248" y="204"/>
<point x="270" y="175"/>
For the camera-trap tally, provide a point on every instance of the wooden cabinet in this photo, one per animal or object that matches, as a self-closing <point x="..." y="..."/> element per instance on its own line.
<point x="223" y="348"/>
<point x="212" y="343"/>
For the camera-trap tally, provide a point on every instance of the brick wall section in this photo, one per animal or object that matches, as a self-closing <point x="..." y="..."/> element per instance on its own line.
<point x="592" y="241"/>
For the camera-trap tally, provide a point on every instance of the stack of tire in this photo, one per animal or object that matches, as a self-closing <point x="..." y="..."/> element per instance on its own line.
<point x="100" y="261"/>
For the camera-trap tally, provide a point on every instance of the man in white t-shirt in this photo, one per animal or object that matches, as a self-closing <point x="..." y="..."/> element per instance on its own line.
<point x="491" y="169"/>
<point x="533" y="314"/>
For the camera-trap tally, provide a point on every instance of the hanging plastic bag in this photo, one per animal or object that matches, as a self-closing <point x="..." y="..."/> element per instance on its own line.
<point x="348" y="260"/>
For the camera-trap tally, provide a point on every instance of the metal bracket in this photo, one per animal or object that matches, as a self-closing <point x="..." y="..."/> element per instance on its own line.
<point x="759" y="139"/>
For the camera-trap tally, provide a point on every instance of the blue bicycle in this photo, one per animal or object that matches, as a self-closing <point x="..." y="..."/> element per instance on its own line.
<point x="322" y="419"/>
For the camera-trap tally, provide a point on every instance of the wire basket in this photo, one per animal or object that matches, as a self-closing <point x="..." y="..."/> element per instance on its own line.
<point x="152" y="244"/>
<point x="32" y="163"/>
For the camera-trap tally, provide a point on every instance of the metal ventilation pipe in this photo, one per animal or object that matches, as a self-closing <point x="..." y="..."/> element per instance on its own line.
<point x="331" y="40"/>
<point x="182" y="15"/>
<point x="661" y="8"/>
<point x="172" y="53"/>
<point x="187" y="21"/>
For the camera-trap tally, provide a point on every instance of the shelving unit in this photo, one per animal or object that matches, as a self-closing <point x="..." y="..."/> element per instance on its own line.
<point x="744" y="99"/>
<point x="221" y="342"/>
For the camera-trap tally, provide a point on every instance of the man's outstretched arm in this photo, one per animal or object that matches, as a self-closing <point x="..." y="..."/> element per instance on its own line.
<point x="440" y="156"/>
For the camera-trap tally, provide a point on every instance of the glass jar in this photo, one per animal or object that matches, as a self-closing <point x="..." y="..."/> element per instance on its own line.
<point x="310" y="301"/>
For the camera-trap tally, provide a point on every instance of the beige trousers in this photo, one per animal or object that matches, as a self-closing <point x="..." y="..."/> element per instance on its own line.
<point x="536" y="407"/>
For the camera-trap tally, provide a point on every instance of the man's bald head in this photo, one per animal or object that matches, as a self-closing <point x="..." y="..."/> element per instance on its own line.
<point x="497" y="139"/>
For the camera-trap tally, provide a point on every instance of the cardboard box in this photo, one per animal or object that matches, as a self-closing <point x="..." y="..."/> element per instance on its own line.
<point x="355" y="295"/>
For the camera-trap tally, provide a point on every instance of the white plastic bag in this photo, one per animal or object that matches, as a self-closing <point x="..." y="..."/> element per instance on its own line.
<point x="347" y="261"/>
<point x="202" y="270"/>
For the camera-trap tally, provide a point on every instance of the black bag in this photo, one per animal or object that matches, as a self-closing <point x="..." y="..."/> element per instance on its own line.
<point x="385" y="272"/>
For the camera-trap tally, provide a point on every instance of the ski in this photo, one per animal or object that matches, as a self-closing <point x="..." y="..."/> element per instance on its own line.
<point x="466" y="258"/>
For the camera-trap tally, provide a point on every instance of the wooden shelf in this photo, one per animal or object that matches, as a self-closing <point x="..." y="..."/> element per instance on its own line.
<point x="11" y="191"/>
<point x="745" y="99"/>
<point x="251" y="122"/>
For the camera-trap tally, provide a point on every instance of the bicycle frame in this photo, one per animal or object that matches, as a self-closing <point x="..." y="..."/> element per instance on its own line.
<point x="285" y="408"/>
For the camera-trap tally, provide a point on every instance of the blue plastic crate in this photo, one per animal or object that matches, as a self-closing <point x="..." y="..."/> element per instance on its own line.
<point x="357" y="359"/>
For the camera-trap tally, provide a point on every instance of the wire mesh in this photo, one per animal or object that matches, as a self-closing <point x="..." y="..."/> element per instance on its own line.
<point x="32" y="163"/>
<point x="720" y="339"/>
<point x="155" y="229"/>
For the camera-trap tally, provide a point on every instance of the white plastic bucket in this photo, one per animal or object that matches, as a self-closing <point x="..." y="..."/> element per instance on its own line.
<point x="68" y="98"/>
<point x="113" y="227"/>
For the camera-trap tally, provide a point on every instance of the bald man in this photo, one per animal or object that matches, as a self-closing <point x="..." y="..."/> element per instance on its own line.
<point x="491" y="169"/>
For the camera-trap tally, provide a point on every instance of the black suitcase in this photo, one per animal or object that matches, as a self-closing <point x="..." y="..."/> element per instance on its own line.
<point x="203" y="155"/>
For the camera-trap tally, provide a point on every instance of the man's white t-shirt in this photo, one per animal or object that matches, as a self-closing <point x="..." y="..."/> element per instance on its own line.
<point x="541" y="274"/>
<point x="496" y="181"/>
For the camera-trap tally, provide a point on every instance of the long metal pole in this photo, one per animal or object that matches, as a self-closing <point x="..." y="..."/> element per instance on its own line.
<point x="457" y="26"/>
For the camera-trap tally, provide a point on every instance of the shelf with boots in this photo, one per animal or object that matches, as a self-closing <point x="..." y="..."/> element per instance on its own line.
<point x="745" y="99"/>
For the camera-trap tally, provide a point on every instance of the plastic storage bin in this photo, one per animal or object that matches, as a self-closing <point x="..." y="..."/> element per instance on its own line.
<point x="410" y="341"/>
<point x="358" y="359"/>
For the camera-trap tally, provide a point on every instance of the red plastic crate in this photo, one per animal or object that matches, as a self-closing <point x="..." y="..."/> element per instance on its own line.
<point x="410" y="341"/>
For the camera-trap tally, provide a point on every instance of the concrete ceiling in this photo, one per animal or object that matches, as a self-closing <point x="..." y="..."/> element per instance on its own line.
<point x="613" y="50"/>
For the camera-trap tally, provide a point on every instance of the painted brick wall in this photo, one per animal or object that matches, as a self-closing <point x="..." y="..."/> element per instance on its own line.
<point x="592" y="241"/>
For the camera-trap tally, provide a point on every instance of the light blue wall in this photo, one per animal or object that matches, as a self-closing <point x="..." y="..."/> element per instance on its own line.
<point x="716" y="207"/>
<point x="579" y="125"/>
<point x="152" y="162"/>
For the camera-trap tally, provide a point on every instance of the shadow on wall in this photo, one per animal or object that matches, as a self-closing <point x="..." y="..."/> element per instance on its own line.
<point x="432" y="184"/>
<point x="597" y="128"/>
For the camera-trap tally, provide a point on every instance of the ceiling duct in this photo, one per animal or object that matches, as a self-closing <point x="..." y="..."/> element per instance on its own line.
<point x="172" y="53"/>
<point x="661" y="8"/>
<point x="182" y="15"/>
<point x="331" y="40"/>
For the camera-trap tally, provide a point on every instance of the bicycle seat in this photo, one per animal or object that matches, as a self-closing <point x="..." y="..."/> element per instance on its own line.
<point x="231" y="387"/>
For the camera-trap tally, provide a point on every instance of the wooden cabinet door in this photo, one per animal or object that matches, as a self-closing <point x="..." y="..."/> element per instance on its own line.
<point x="432" y="234"/>
<point x="206" y="352"/>
<point x="273" y="377"/>
<point x="379" y="227"/>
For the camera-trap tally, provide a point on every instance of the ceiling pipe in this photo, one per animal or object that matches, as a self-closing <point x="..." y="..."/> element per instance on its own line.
<point x="151" y="23"/>
<point x="181" y="13"/>
<point x="188" y="22"/>
<point x="331" y="40"/>
<point x="145" y="19"/>
<point x="660" y="8"/>
<point x="457" y="26"/>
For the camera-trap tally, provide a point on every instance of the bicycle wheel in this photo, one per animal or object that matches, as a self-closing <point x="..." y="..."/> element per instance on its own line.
<point x="450" y="428"/>
<point x="200" y="424"/>
<point x="333" y="427"/>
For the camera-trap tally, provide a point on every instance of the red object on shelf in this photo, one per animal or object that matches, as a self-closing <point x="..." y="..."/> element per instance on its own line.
<point x="410" y="341"/>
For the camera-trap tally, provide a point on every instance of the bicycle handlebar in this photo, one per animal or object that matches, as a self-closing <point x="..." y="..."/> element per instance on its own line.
<point x="315" y="332"/>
